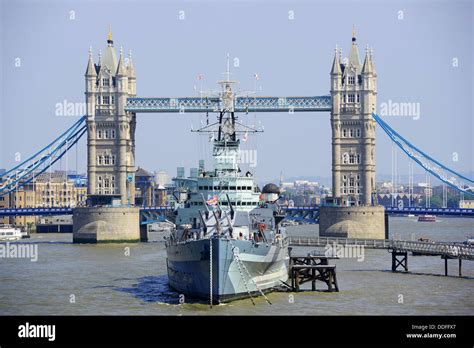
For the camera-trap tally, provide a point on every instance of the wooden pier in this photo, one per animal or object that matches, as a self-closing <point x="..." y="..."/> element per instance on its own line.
<point x="312" y="268"/>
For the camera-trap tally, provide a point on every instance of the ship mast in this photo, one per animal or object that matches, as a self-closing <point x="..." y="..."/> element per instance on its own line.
<point x="226" y="144"/>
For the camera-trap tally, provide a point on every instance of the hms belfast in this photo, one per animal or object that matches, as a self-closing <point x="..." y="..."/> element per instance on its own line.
<point x="227" y="243"/>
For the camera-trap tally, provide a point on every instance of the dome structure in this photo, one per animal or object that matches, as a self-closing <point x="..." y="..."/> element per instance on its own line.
<point x="271" y="188"/>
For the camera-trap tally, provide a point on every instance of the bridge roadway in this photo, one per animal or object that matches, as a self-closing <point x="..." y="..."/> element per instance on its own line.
<point x="443" y="249"/>
<point x="290" y="210"/>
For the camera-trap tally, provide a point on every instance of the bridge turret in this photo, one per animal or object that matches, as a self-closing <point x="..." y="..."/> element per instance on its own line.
<point x="110" y="128"/>
<point x="353" y="138"/>
<point x="91" y="89"/>
<point x="336" y="90"/>
<point x="132" y="80"/>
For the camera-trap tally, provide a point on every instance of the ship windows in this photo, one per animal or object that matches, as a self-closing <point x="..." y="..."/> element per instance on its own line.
<point x="239" y="188"/>
<point x="249" y="188"/>
<point x="232" y="188"/>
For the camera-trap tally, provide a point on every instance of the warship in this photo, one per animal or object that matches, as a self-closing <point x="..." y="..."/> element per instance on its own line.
<point x="227" y="242"/>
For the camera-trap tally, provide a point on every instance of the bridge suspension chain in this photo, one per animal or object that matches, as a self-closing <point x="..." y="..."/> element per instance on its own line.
<point x="38" y="163"/>
<point x="440" y="171"/>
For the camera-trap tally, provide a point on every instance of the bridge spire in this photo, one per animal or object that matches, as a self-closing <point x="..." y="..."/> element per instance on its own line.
<point x="131" y="67"/>
<point x="354" y="60"/>
<point x="110" y="40"/>
<point x="90" y="65"/>
<point x="121" y="69"/>
<point x="336" y="64"/>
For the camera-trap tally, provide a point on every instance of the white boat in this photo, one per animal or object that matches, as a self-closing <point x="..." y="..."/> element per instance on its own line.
<point x="8" y="233"/>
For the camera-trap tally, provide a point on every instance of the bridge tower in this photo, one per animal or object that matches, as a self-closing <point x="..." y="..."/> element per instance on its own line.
<point x="110" y="129"/>
<point x="353" y="90"/>
<point x="110" y="215"/>
<point x="354" y="212"/>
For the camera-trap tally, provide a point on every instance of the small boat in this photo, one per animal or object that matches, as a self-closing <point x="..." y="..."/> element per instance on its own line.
<point x="9" y="233"/>
<point x="427" y="218"/>
<point x="24" y="233"/>
<point x="421" y="253"/>
<point x="469" y="241"/>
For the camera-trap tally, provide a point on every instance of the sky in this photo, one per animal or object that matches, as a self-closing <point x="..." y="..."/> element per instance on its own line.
<point x="423" y="54"/>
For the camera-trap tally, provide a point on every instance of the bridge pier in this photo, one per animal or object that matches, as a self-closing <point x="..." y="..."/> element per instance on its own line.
<point x="144" y="233"/>
<point x="106" y="225"/>
<point x="367" y="222"/>
<point x="396" y="261"/>
<point x="446" y="258"/>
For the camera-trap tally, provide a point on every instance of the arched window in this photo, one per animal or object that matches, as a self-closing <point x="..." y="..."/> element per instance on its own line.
<point x="345" y="158"/>
<point x="358" y="132"/>
<point x="358" y="158"/>
<point x="351" y="132"/>
<point x="344" y="132"/>
<point x="99" y="160"/>
<point x="99" y="134"/>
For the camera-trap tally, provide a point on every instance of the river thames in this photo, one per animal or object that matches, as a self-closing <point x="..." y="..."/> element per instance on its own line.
<point x="130" y="279"/>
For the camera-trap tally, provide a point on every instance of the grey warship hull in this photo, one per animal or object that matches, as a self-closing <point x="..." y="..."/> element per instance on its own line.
<point x="258" y="267"/>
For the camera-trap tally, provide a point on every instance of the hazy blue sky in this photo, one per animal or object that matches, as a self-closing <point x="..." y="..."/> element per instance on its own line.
<point x="413" y="58"/>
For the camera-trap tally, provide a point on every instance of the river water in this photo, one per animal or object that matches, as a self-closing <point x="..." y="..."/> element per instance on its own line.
<point x="121" y="279"/>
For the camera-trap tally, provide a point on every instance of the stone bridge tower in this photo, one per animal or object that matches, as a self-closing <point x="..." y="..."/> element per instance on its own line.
<point x="354" y="212"/>
<point x="353" y="90"/>
<point x="110" y="215"/>
<point x="110" y="129"/>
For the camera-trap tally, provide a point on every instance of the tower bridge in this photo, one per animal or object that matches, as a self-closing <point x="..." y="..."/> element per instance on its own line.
<point x="111" y="119"/>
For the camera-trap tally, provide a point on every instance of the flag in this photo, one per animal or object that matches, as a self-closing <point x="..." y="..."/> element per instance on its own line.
<point x="212" y="201"/>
